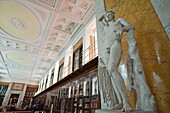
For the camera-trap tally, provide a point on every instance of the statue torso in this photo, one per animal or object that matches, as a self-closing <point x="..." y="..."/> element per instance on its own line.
<point x="110" y="33"/>
<point x="108" y="38"/>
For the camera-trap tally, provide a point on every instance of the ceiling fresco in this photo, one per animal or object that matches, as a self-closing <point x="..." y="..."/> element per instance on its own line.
<point x="33" y="32"/>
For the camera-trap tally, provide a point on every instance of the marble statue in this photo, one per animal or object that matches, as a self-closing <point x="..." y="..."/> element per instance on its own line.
<point x="112" y="52"/>
<point x="112" y="86"/>
<point x="136" y="77"/>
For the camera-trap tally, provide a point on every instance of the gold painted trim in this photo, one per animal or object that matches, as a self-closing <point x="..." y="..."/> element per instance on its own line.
<point x="17" y="86"/>
<point x="32" y="86"/>
<point x="4" y="83"/>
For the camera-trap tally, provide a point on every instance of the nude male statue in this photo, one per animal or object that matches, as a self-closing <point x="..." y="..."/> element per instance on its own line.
<point x="112" y="31"/>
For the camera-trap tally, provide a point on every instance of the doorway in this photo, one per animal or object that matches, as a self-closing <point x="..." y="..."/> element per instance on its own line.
<point x="13" y="99"/>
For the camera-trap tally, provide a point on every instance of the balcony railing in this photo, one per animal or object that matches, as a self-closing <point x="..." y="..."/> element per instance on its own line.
<point x="87" y="55"/>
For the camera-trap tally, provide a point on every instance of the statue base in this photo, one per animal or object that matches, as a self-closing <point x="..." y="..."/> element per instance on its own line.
<point x="119" y="111"/>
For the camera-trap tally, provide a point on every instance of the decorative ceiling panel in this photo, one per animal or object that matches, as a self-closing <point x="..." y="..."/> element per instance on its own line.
<point x="19" y="73"/>
<point x="32" y="33"/>
<point x="18" y="21"/>
<point x="20" y="58"/>
<point x="76" y="8"/>
<point x="64" y="24"/>
<point x="18" y="46"/>
<point x="48" y="2"/>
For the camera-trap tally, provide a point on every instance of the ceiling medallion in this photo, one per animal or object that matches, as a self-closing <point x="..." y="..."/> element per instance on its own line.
<point x="18" y="23"/>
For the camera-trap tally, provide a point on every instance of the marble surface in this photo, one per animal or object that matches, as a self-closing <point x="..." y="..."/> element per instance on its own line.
<point x="153" y="46"/>
<point x="163" y="11"/>
<point x="119" y="111"/>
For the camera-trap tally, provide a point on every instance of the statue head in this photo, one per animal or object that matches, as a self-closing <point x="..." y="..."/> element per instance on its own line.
<point x="109" y="15"/>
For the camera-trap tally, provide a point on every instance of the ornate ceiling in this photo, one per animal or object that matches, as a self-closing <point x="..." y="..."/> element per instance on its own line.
<point x="32" y="33"/>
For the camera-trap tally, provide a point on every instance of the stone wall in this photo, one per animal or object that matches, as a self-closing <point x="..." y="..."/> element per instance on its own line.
<point x="153" y="46"/>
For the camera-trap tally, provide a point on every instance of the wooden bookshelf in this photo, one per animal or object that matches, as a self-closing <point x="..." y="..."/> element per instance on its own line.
<point x="76" y="93"/>
<point x="77" y="96"/>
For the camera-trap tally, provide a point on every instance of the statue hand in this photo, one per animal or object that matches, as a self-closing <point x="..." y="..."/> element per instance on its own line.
<point x="119" y="33"/>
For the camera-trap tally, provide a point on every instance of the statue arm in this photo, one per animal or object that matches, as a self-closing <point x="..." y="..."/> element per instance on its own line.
<point x="101" y="24"/>
<point x="129" y="28"/>
<point x="126" y="25"/>
<point x="101" y="20"/>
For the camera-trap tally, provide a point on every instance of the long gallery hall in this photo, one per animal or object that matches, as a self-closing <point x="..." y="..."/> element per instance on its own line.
<point x="84" y="56"/>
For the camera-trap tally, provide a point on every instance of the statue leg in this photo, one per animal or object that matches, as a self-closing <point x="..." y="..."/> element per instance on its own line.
<point x="117" y="80"/>
<point x="101" y="87"/>
<point x="107" y="97"/>
<point x="111" y="90"/>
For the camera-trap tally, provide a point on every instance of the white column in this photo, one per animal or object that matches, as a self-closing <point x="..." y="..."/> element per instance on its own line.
<point x="44" y="81"/>
<point x="7" y="95"/>
<point x="56" y="72"/>
<point x="86" y="45"/>
<point x="49" y="78"/>
<point x="21" y="98"/>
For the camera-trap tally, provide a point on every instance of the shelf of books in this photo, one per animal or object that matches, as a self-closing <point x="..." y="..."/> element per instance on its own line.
<point x="80" y="95"/>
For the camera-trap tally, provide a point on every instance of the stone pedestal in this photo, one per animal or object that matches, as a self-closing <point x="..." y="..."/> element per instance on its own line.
<point x="119" y="111"/>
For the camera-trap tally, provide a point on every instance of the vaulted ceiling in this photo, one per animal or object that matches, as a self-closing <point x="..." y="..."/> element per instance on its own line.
<point x="32" y="33"/>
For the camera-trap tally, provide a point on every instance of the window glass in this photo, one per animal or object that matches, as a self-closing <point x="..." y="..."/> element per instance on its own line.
<point x="60" y="74"/>
<point x="52" y="77"/>
<point x="46" y="82"/>
<point x="77" y="58"/>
